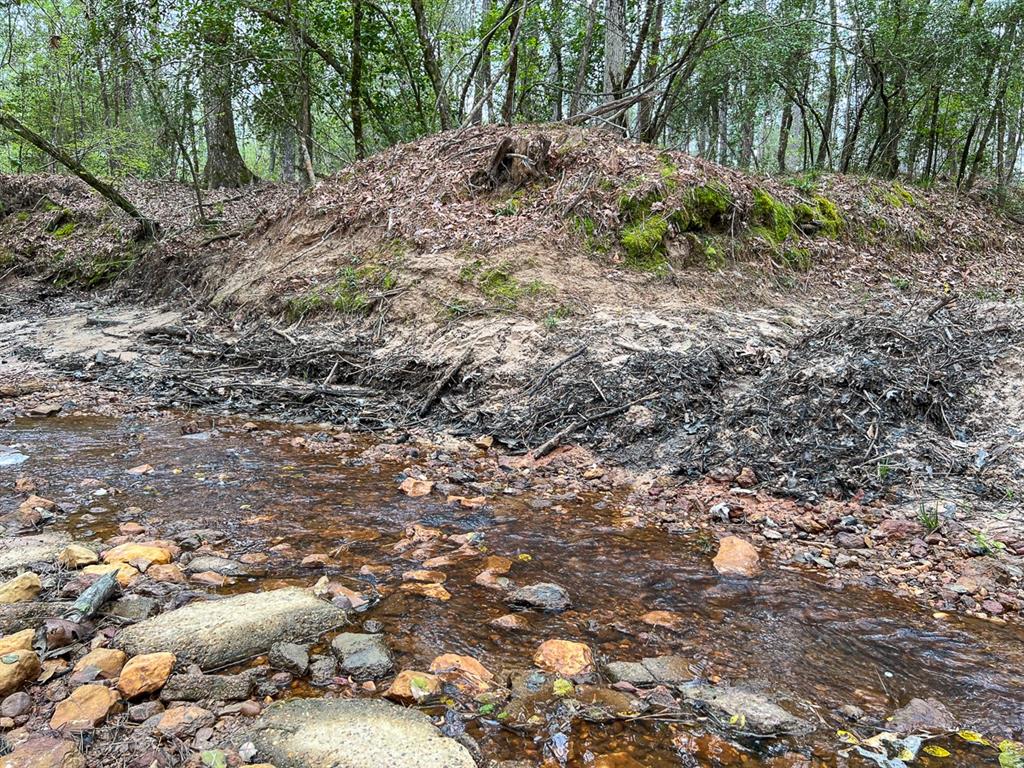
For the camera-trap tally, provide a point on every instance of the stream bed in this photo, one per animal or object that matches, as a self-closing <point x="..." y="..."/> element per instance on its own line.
<point x="785" y="632"/>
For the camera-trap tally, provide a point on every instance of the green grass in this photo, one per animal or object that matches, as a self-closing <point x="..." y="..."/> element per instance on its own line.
<point x="349" y="294"/>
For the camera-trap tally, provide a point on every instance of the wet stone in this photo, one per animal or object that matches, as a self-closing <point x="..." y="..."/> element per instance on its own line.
<point x="195" y="686"/>
<point x="139" y="713"/>
<point x="759" y="715"/>
<point x="364" y="657"/>
<point x="221" y="565"/>
<point x="668" y="669"/>
<point x="326" y="733"/>
<point x="922" y="716"/>
<point x="290" y="657"/>
<point x="322" y="670"/>
<point x="544" y="597"/>
<point x="632" y="672"/>
<point x="133" y="609"/>
<point x="16" y="704"/>
<point x="246" y="625"/>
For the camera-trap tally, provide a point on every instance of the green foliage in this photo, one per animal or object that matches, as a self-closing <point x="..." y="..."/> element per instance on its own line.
<point x="64" y="230"/>
<point x="499" y="284"/>
<point x="773" y="219"/>
<point x="349" y="294"/>
<point x="928" y="518"/>
<point x="706" y="207"/>
<point x="797" y="259"/>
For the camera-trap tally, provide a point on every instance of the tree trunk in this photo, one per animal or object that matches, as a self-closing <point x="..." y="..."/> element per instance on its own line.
<point x="614" y="51"/>
<point x="356" y="81"/>
<point x="150" y="228"/>
<point x="581" y="68"/>
<point x="508" y="107"/>
<point x="224" y="164"/>
<point x="483" y="70"/>
<point x="784" y="128"/>
<point x="431" y="64"/>
<point x="650" y="70"/>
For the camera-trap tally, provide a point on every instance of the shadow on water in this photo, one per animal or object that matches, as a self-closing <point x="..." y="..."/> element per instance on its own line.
<point x="785" y="630"/>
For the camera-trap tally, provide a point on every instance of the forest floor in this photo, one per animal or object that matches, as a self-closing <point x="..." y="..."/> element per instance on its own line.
<point x="831" y="368"/>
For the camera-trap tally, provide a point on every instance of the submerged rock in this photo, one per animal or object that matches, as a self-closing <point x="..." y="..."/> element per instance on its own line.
<point x="215" y="633"/>
<point x="364" y="657"/>
<point x="327" y="733"/>
<point x="922" y="716"/>
<point x="544" y="597"/>
<point x="564" y="657"/>
<point x="745" y="711"/>
<point x="656" y="670"/>
<point x="737" y="557"/>
<point x="221" y="565"/>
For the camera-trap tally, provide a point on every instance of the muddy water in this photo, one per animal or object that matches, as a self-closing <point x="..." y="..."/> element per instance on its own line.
<point x="785" y="631"/>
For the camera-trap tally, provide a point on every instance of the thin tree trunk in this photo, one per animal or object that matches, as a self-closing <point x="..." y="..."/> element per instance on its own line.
<point x="431" y="64"/>
<point x="356" y="82"/>
<point x="584" y="63"/>
<point x="150" y="228"/>
<point x="615" y="51"/>
<point x="508" y="107"/>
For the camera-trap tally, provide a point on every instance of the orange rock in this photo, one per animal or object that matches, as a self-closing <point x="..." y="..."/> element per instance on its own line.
<point x="19" y="641"/>
<point x="99" y="664"/>
<point x="412" y="687"/>
<point x="665" y="619"/>
<point x="433" y="591"/>
<point x="510" y="621"/>
<point x="473" y="502"/>
<point x="564" y="657"/>
<point x="414" y="487"/>
<point x="131" y="553"/>
<point x="87" y="707"/>
<point x="145" y="673"/>
<point x="212" y="579"/>
<point x="168" y="572"/>
<point x="131" y="529"/>
<point x="22" y="588"/>
<point x="497" y="564"/>
<point x="319" y="560"/>
<point x="184" y="721"/>
<point x="36" y="502"/>
<point x="76" y="556"/>
<point x="465" y="672"/>
<point x="17" y="668"/>
<point x="427" y="577"/>
<point x="44" y="752"/>
<point x="142" y="469"/>
<point x="126" y="574"/>
<point x="736" y="557"/>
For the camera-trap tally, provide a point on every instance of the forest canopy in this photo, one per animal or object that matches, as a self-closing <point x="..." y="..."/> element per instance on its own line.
<point x="218" y="93"/>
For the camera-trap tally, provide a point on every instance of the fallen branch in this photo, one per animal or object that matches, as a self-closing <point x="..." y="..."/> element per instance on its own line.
<point x="443" y="382"/>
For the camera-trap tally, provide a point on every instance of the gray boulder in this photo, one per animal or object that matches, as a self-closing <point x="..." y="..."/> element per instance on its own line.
<point x="353" y="733"/>
<point x="364" y="657"/>
<point x="290" y="657"/>
<point x="744" y="711"/>
<point x="544" y="597"/>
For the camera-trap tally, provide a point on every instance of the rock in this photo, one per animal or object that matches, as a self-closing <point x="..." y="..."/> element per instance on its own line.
<point x="669" y="670"/>
<point x="216" y="633"/>
<point x="322" y="670"/>
<point x="433" y="591"/>
<point x="545" y="597"/>
<point x="17" y="552"/>
<point x="848" y="540"/>
<point x="16" y="669"/>
<point x="411" y="687"/>
<point x="195" y="686"/>
<point x="148" y="554"/>
<point x="564" y="657"/>
<point x="98" y="664"/>
<point x="414" y="487"/>
<point x="355" y="733"/>
<point x="221" y="565"/>
<point x="19" y="641"/>
<point x="139" y="713"/>
<point x="20" y="589"/>
<point x="604" y="704"/>
<point x="746" y="478"/>
<point x="182" y="722"/>
<point x="16" y="704"/>
<point x="44" y="752"/>
<point x="757" y="714"/>
<point x="736" y="557"/>
<point x="632" y="672"/>
<point x="290" y="657"/>
<point x="77" y="556"/>
<point x="464" y="672"/>
<point x="132" y="609"/>
<point x="922" y="716"/>
<point x="170" y="572"/>
<point x="364" y="657"/>
<point x="510" y="621"/>
<point x="126" y="574"/>
<point x="145" y="673"/>
<point x="18" y="617"/>
<point x="212" y="579"/>
<point x="87" y="707"/>
<point x="427" y="577"/>
<point x="664" y="619"/>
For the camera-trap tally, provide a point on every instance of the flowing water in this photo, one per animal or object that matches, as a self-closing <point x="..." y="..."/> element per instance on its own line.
<point x="786" y="630"/>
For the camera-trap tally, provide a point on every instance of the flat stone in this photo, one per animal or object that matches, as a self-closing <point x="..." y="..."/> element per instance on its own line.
<point x="184" y="721"/>
<point x="132" y="609"/>
<point x="150" y="554"/>
<point x="76" y="556"/>
<point x="21" y="616"/>
<point x="44" y="752"/>
<point x="17" y="552"/>
<point x="364" y="657"/>
<point x="632" y="672"/>
<point x="216" y="633"/>
<point x="335" y="733"/>
<point x="544" y="597"/>
<point x="670" y="670"/>
<point x="87" y="707"/>
<point x="922" y="716"/>
<point x="221" y="565"/>
<point x="291" y="657"/>
<point x="464" y="672"/>
<point x="99" y="664"/>
<point x="604" y="704"/>
<point x="16" y="704"/>
<point x="745" y="710"/>
<point x="20" y="589"/>
<point x="411" y="687"/>
<point x="564" y="657"/>
<point x="195" y="686"/>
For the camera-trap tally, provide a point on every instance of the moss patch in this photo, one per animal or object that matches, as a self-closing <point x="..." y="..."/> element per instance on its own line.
<point x="707" y="207"/>
<point x="499" y="284"/>
<point x="349" y="294"/>
<point x="898" y="196"/>
<point x="644" y="243"/>
<point x="822" y="213"/>
<point x="773" y="219"/>
<point x="797" y="259"/>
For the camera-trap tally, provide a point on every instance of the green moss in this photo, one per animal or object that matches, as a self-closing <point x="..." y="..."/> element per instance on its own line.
<point x="706" y="207"/>
<point x="499" y="284"/>
<point x="6" y="258"/>
<point x="349" y="294"/>
<point x="821" y="212"/>
<point x="644" y="243"/>
<point x="773" y="219"/>
<point x="898" y="196"/>
<point x="64" y="230"/>
<point x="797" y="259"/>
